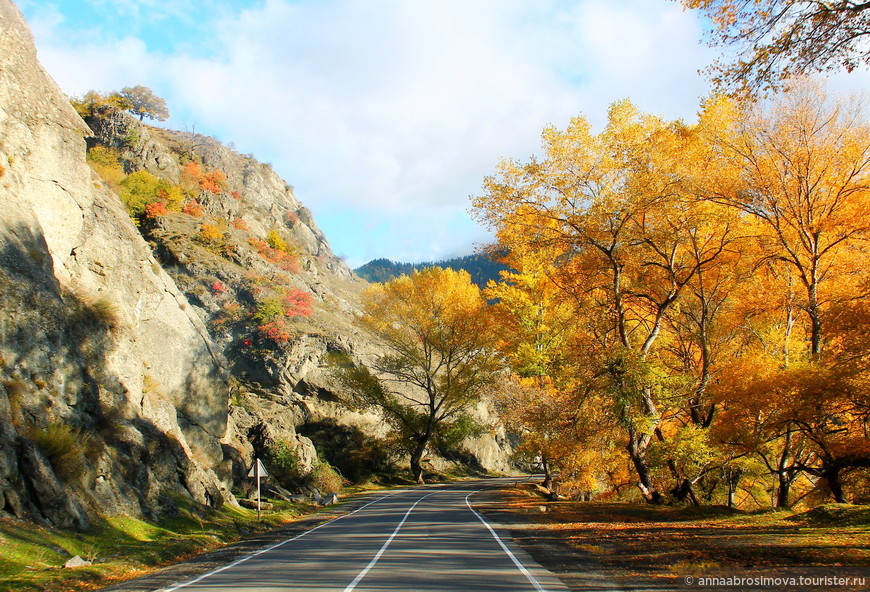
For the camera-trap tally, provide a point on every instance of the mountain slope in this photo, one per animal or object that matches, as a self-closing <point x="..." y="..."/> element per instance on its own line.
<point x="481" y="268"/>
<point x="166" y="305"/>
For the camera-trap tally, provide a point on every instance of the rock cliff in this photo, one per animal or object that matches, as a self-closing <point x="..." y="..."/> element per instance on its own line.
<point x="99" y="350"/>
<point x="162" y="298"/>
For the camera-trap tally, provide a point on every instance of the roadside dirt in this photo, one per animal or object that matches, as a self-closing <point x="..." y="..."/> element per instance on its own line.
<point x="614" y="546"/>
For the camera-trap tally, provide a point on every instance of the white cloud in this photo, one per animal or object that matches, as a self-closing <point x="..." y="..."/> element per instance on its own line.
<point x="395" y="109"/>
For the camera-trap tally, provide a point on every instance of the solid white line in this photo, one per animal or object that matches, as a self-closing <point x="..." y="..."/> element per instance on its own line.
<point x="513" y="557"/>
<point x="273" y="547"/>
<point x="371" y="564"/>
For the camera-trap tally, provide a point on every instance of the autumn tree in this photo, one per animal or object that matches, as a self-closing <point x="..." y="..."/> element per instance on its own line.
<point x="780" y="39"/>
<point x="144" y="103"/>
<point x="802" y="181"/>
<point x="88" y="104"/>
<point x="617" y="205"/>
<point x="438" y="338"/>
<point x="534" y="320"/>
<point x="804" y="165"/>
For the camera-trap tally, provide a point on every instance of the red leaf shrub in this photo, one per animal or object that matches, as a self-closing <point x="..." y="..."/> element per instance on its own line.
<point x="158" y="208"/>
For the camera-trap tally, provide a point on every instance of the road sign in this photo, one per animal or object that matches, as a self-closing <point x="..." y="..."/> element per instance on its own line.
<point x="258" y="464"/>
<point x="257" y="471"/>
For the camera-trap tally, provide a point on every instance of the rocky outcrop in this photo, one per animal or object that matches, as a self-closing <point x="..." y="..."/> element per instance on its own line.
<point x="284" y="382"/>
<point x="97" y="344"/>
<point x="136" y="362"/>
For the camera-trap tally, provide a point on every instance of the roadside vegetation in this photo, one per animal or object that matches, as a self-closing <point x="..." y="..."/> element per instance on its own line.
<point x="643" y="546"/>
<point x="124" y="547"/>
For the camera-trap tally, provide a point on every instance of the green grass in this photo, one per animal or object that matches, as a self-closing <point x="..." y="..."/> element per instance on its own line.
<point x="32" y="557"/>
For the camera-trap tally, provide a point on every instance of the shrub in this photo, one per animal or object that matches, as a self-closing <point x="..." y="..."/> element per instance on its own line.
<point x="156" y="209"/>
<point x="105" y="156"/>
<point x="65" y="447"/>
<point x="297" y="303"/>
<point x="211" y="232"/>
<point x="325" y="478"/>
<point x="240" y="224"/>
<point x="194" y="178"/>
<point x="100" y="312"/>
<point x="274" y="240"/>
<point x="106" y="163"/>
<point x="282" y="463"/>
<point x="132" y="138"/>
<point x="213" y="182"/>
<point x="281" y="258"/>
<point x="276" y="330"/>
<point x="141" y="189"/>
<point x="193" y="208"/>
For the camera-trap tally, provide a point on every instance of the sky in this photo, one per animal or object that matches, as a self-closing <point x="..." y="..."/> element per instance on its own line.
<point x="385" y="115"/>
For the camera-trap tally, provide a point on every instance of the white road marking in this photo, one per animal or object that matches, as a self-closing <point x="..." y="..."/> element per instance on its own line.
<point x="273" y="547"/>
<point x="534" y="582"/>
<point x="372" y="563"/>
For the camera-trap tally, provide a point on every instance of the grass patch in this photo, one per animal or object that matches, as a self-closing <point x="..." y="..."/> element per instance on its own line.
<point x="66" y="448"/>
<point x="124" y="547"/>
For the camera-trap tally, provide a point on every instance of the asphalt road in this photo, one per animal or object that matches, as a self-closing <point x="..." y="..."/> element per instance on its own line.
<point x="428" y="538"/>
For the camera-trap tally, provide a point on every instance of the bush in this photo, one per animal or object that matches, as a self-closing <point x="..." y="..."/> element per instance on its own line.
<point x="282" y="463"/>
<point x="141" y="189"/>
<point x="193" y="208"/>
<point x="211" y="232"/>
<point x="326" y="479"/>
<point x="274" y="240"/>
<point x="106" y="163"/>
<point x="66" y="448"/>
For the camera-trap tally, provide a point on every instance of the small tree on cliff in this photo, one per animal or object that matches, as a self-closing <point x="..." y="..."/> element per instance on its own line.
<point x="434" y="328"/>
<point x="144" y="103"/>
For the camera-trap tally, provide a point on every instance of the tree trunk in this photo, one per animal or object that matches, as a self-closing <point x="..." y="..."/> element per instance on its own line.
<point x="416" y="458"/>
<point x="548" y="474"/>
<point x="733" y="478"/>
<point x="684" y="490"/>
<point x="783" y="489"/>
<point x="636" y="452"/>
<point x="831" y="475"/>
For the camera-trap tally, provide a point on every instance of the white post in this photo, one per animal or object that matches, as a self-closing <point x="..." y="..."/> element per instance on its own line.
<point x="257" y="464"/>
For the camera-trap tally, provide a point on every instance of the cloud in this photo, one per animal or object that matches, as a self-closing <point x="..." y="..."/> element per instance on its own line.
<point x="394" y="110"/>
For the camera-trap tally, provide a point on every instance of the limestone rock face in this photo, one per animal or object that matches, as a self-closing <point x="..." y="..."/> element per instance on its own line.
<point x="285" y="383"/>
<point x="160" y="354"/>
<point x="94" y="335"/>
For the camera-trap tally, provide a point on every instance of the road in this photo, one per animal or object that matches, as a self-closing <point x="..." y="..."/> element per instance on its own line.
<point x="427" y="538"/>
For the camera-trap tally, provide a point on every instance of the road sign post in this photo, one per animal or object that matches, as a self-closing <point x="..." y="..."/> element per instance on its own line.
<point x="257" y="471"/>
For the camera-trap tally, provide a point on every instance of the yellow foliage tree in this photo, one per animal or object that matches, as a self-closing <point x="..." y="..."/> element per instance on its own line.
<point x="434" y="327"/>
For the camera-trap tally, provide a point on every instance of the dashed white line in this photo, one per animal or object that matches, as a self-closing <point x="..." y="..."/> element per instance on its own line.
<point x="266" y="550"/>
<point x="534" y="582"/>
<point x="375" y="559"/>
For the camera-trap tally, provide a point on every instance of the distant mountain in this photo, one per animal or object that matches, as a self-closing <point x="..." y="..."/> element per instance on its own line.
<point x="480" y="267"/>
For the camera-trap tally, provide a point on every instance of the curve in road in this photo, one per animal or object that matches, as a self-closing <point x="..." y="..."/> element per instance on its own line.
<point x="417" y="539"/>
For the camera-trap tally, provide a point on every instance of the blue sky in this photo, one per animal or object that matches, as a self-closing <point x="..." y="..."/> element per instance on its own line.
<point x="385" y="115"/>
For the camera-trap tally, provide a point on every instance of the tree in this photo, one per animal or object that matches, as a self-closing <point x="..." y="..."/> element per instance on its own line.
<point x="434" y="327"/>
<point x="144" y="103"/>
<point x="801" y="179"/>
<point x="804" y="166"/>
<point x="617" y="205"/>
<point x="534" y="327"/>
<point x="780" y="39"/>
